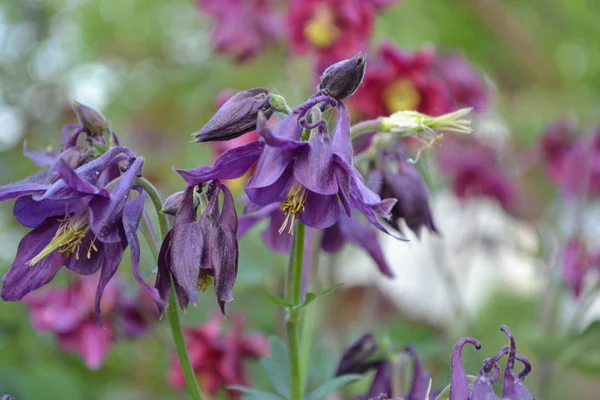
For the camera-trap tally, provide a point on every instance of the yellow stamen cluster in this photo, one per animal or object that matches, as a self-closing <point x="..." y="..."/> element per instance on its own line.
<point x="292" y="206"/>
<point x="401" y="95"/>
<point x="204" y="280"/>
<point x="320" y="30"/>
<point x="67" y="240"/>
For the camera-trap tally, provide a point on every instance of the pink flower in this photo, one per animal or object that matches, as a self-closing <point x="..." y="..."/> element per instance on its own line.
<point x="334" y="29"/>
<point x="69" y="313"/>
<point x="475" y="171"/>
<point x="217" y="356"/>
<point x="576" y="262"/>
<point x="557" y="141"/>
<point x="398" y="80"/>
<point x="242" y="28"/>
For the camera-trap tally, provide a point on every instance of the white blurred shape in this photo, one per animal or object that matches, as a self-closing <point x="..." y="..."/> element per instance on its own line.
<point x="11" y="127"/>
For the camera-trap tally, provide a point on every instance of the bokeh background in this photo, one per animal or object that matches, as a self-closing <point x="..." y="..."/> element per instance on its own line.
<point x="148" y="65"/>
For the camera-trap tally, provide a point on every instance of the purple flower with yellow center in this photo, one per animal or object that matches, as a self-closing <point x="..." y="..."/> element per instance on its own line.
<point x="196" y="251"/>
<point x="392" y="176"/>
<point x="308" y="178"/>
<point x="79" y="220"/>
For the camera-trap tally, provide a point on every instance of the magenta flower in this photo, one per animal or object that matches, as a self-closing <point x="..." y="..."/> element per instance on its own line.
<point x="398" y="80"/>
<point x="576" y="262"/>
<point x="474" y="171"/>
<point x="308" y="178"/>
<point x="243" y="28"/>
<point x="557" y="141"/>
<point x="217" y="355"/>
<point x="69" y="313"/>
<point x="467" y="86"/>
<point x="196" y="251"/>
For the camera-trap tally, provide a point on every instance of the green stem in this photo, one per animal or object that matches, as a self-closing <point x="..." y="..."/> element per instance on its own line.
<point x="293" y="317"/>
<point x="172" y="310"/>
<point x="363" y="127"/>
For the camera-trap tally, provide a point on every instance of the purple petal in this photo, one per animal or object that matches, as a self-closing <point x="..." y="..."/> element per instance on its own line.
<point x="459" y="384"/>
<point x="482" y="387"/>
<point x="333" y="239"/>
<point x="228" y="217"/>
<point x="419" y="388"/>
<point x="363" y="235"/>
<point x="72" y="180"/>
<point x="113" y="254"/>
<point x="106" y="212"/>
<point x="358" y="357"/>
<point x="342" y="144"/>
<point x="31" y="213"/>
<point x="187" y="247"/>
<point x="272" y="193"/>
<point x="272" y="166"/>
<point x="277" y="242"/>
<point x="314" y="167"/>
<point x="246" y="222"/>
<point x="23" y="187"/>
<point x="320" y="211"/>
<point x="132" y="214"/>
<point x="163" y="274"/>
<point x="21" y="278"/>
<point x="287" y="132"/>
<point x="94" y="343"/>
<point x="80" y="263"/>
<point x="40" y="158"/>
<point x="382" y="380"/>
<point x="230" y="165"/>
<point x="224" y="259"/>
<point x="513" y="387"/>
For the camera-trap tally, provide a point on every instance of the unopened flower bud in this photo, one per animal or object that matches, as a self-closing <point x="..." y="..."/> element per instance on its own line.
<point x="341" y="79"/>
<point x="92" y="120"/>
<point x="173" y="202"/>
<point x="236" y="117"/>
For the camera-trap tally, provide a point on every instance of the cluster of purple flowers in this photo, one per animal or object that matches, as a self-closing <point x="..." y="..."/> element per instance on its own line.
<point x="366" y="355"/>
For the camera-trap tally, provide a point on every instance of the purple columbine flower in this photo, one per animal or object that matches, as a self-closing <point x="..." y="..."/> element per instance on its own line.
<point x="394" y="177"/>
<point x="513" y="387"/>
<point x="78" y="221"/>
<point x="308" y="178"/>
<point x="196" y="251"/>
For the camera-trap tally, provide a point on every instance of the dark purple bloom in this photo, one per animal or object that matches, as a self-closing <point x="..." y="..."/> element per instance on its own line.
<point x="358" y="358"/>
<point x="77" y="223"/>
<point x="341" y="79"/>
<point x="394" y="177"/>
<point x="237" y="116"/>
<point x="196" y="251"/>
<point x="308" y="178"/>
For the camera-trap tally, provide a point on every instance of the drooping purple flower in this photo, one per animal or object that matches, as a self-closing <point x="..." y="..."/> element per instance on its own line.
<point x="196" y="251"/>
<point x="77" y="222"/>
<point x="308" y="178"/>
<point x="576" y="262"/>
<point x="358" y="358"/>
<point x="393" y="177"/>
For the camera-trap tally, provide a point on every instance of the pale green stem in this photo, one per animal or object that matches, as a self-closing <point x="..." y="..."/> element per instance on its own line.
<point x="294" y="294"/>
<point x="363" y="127"/>
<point x="172" y="310"/>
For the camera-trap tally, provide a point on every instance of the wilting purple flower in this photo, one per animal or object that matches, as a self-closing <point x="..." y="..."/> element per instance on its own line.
<point x="475" y="171"/>
<point x="196" y="251"/>
<point x="237" y="116"/>
<point x="393" y="177"/>
<point x="513" y="387"/>
<point x="243" y="28"/>
<point x="307" y="178"/>
<point x="77" y="222"/>
<point x="467" y="86"/>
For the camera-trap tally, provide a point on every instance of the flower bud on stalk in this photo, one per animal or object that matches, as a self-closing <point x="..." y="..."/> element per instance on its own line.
<point x="91" y="120"/>
<point x="341" y="79"/>
<point x="236" y="117"/>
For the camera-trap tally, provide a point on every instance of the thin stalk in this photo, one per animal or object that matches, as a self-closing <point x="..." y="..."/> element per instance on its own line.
<point x="365" y="126"/>
<point x="172" y="310"/>
<point x="294" y="294"/>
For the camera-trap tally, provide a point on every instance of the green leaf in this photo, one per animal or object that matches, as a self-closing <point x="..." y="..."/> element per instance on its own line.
<point x="330" y="289"/>
<point x="583" y="351"/>
<point x="255" y="393"/>
<point x="330" y="386"/>
<point x="308" y="298"/>
<point x="279" y="301"/>
<point x="278" y="375"/>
